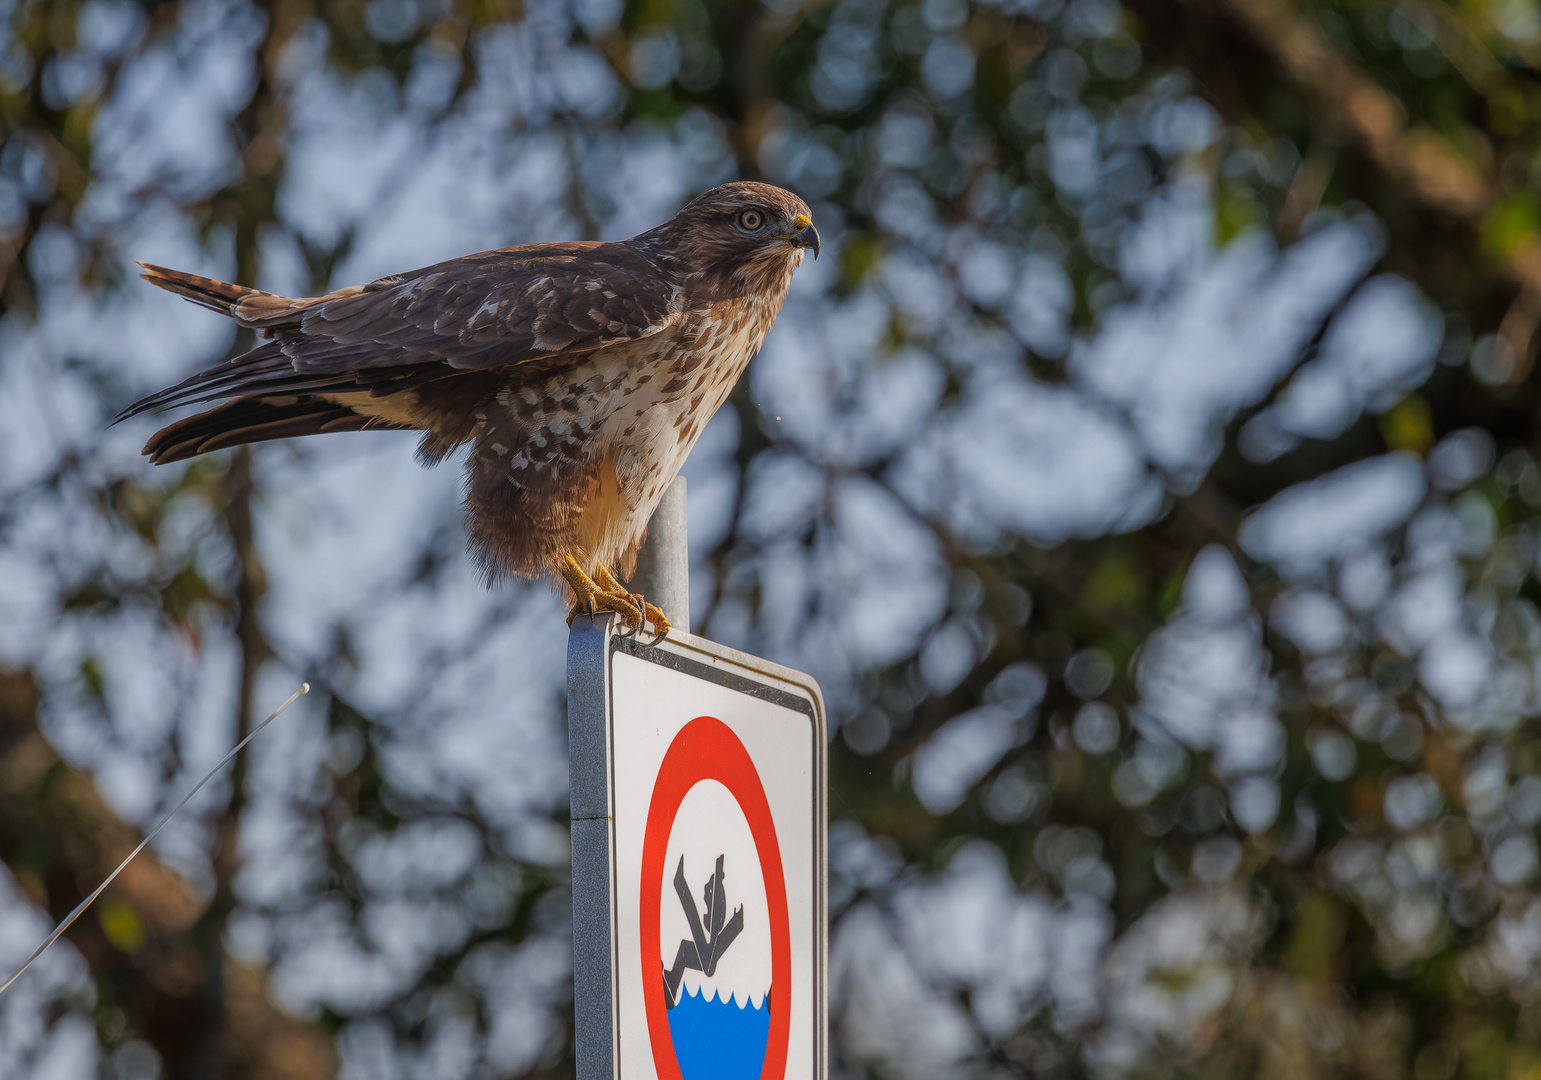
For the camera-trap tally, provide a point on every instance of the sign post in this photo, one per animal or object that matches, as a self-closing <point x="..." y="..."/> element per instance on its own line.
<point x="698" y="781"/>
<point x="663" y="562"/>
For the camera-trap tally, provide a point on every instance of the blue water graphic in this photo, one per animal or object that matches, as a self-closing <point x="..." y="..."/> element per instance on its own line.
<point x="717" y="1040"/>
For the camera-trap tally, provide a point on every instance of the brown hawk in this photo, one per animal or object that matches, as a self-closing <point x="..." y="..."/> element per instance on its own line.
<point x="581" y="374"/>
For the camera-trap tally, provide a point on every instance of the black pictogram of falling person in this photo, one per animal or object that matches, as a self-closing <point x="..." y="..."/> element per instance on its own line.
<point x="705" y="945"/>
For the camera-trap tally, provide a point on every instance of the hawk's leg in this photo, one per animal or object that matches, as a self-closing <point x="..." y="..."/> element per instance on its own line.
<point x="650" y="612"/>
<point x="592" y="597"/>
<point x="603" y="592"/>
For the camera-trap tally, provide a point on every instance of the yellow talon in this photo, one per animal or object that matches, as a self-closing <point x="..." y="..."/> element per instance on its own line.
<point x="604" y="592"/>
<point x="660" y="621"/>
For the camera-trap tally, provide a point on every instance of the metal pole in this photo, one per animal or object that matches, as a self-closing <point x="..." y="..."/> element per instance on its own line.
<point x="663" y="564"/>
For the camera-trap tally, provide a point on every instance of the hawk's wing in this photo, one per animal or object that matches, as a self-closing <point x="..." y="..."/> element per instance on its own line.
<point x="500" y="307"/>
<point x="478" y="311"/>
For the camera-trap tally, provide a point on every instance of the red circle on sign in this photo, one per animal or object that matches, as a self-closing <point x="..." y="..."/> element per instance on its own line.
<point x="707" y="749"/>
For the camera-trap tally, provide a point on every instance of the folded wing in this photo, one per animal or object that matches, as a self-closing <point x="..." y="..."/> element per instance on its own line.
<point x="473" y="313"/>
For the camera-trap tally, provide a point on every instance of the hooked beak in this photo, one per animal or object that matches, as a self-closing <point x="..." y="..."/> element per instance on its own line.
<point x="806" y="235"/>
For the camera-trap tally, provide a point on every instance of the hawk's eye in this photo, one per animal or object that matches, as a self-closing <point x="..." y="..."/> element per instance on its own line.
<point x="751" y="219"/>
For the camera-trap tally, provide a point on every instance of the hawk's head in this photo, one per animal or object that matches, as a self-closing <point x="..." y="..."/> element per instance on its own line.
<point x="745" y="234"/>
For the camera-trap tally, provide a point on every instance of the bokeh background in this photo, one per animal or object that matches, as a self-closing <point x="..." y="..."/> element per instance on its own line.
<point x="1147" y="470"/>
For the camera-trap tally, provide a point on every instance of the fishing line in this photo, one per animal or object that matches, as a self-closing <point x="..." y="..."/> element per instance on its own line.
<point x="81" y="907"/>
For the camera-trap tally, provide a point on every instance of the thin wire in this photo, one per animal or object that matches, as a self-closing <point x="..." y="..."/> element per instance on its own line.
<point x="81" y="907"/>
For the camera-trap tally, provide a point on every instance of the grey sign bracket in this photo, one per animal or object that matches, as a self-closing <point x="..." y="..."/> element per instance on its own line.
<point x="588" y="749"/>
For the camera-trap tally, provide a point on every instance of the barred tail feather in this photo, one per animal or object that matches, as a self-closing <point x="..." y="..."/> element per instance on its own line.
<point x="219" y="295"/>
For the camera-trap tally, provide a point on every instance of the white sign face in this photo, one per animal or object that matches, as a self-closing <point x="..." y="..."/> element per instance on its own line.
<point x="717" y="873"/>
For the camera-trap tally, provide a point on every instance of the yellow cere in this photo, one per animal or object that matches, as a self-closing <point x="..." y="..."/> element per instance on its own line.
<point x="801" y="222"/>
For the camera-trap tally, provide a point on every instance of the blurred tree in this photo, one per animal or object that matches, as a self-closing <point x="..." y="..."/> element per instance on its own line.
<point x="1148" y="471"/>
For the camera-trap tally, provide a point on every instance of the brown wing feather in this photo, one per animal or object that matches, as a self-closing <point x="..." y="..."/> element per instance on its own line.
<point x="486" y="310"/>
<point x="249" y="420"/>
<point x="475" y="312"/>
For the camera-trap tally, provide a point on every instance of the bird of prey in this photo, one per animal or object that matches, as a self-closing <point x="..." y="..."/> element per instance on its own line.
<point x="581" y="374"/>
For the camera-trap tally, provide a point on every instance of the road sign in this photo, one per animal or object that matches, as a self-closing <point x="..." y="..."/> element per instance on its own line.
<point x="698" y="832"/>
